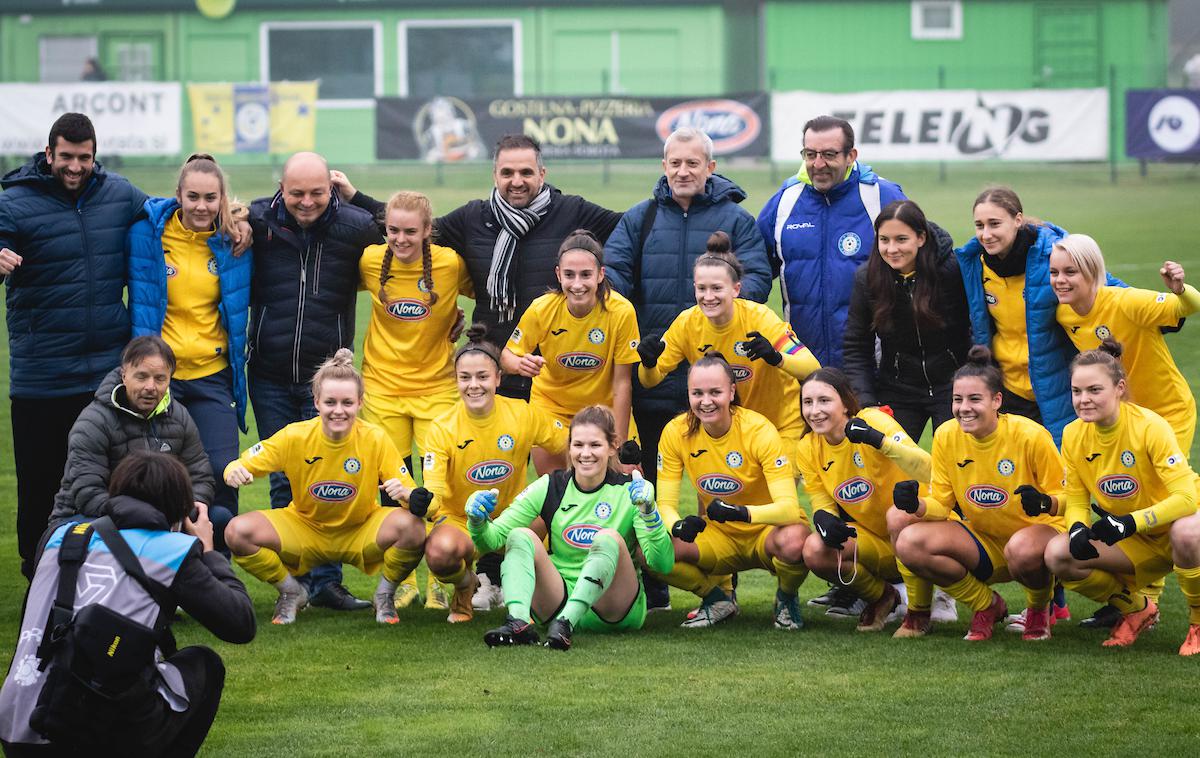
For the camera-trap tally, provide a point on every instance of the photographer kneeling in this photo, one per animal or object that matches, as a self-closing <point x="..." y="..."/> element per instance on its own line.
<point x="107" y="679"/>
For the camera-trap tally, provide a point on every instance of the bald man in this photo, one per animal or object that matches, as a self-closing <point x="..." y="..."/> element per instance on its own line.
<point x="306" y="249"/>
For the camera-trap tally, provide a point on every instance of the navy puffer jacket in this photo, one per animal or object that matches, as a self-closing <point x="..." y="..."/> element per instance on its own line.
<point x="67" y="321"/>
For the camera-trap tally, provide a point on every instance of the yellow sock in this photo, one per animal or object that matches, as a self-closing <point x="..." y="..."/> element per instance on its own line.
<point x="689" y="577"/>
<point x="264" y="565"/>
<point x="971" y="591"/>
<point x="1104" y="587"/>
<point x="1154" y="590"/>
<point x="431" y="583"/>
<point x="410" y="580"/>
<point x="1189" y="584"/>
<point x="791" y="575"/>
<point x="920" y="591"/>
<point x="399" y="562"/>
<point x="1039" y="598"/>
<point x="454" y="577"/>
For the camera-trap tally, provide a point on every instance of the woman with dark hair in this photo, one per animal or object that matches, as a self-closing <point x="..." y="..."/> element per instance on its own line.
<point x="150" y="500"/>
<point x="909" y="298"/>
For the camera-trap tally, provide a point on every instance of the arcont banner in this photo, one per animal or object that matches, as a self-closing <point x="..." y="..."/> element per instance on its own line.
<point x="131" y="118"/>
<point x="1162" y="124"/>
<point x="953" y="125"/>
<point x="448" y="129"/>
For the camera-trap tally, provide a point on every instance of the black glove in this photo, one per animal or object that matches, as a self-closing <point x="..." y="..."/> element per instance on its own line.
<point x="629" y="453"/>
<point x="1081" y="545"/>
<point x="858" y="430"/>
<point x="418" y="502"/>
<point x="760" y="348"/>
<point x="1111" y="529"/>
<point x="1033" y="502"/>
<point x="904" y="495"/>
<point x="688" y="527"/>
<point x="832" y="530"/>
<point x="650" y="348"/>
<point x="720" y="511"/>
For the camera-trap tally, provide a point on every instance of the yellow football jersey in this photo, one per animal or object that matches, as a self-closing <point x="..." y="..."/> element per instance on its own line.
<point x="465" y="453"/>
<point x="580" y="353"/>
<point x="1005" y="296"/>
<point x="746" y="466"/>
<point x="334" y="484"/>
<point x="981" y="476"/>
<point x="1133" y="317"/>
<point x="1134" y="466"/>
<point x="192" y="324"/>
<point x="408" y="349"/>
<point x="764" y="388"/>
<point x="856" y="480"/>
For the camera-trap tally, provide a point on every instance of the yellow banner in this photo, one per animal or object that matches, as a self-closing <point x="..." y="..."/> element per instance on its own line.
<point x="278" y="118"/>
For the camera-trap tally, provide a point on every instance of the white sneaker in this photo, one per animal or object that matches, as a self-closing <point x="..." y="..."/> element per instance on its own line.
<point x="847" y="606"/>
<point x="482" y="599"/>
<point x="384" y="601"/>
<point x="1015" y="622"/>
<point x="711" y="614"/>
<point x="944" y="609"/>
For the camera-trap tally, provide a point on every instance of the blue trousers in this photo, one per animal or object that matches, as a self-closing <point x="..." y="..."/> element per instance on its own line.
<point x="209" y="400"/>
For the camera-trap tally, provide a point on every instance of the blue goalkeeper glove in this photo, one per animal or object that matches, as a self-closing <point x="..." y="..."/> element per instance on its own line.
<point x="481" y="503"/>
<point x="641" y="493"/>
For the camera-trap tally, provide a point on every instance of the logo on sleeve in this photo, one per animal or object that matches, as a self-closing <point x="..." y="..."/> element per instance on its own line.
<point x="407" y="309"/>
<point x="734" y="459"/>
<point x="854" y="490"/>
<point x="1118" y="486"/>
<point x="781" y="461"/>
<point x="987" y="496"/>
<point x="1006" y="467"/>
<point x="489" y="472"/>
<point x="596" y="336"/>
<point x="352" y="466"/>
<point x="580" y="535"/>
<point x="849" y="244"/>
<point x="505" y="442"/>
<point x="1174" y="459"/>
<point x="1160" y="297"/>
<point x="255" y="450"/>
<point x="718" y="484"/>
<point x="658" y="463"/>
<point x="1127" y="458"/>
<point x="428" y="464"/>
<point x="333" y="491"/>
<point x="516" y="336"/>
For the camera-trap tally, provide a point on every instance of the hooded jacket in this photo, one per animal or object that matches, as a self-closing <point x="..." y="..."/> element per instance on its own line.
<point x="657" y="278"/>
<point x="148" y="287"/>
<point x="819" y="244"/>
<point x="67" y="321"/>
<point x="107" y="430"/>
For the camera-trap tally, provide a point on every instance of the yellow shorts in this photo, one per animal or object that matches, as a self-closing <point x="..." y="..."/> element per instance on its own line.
<point x="728" y="548"/>
<point x="875" y="555"/>
<point x="1150" y="555"/>
<point x="406" y="419"/>
<point x="452" y="520"/>
<point x="565" y="418"/>
<point x="303" y="546"/>
<point x="992" y="568"/>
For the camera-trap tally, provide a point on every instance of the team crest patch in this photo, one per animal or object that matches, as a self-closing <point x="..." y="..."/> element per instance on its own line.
<point x="596" y="336"/>
<point x="421" y="287"/>
<point x="172" y="271"/>
<point x="734" y="459"/>
<point x="505" y="442"/>
<point x="26" y="671"/>
<point x="212" y="265"/>
<point x="516" y="336"/>
<point x="352" y="466"/>
<point x="739" y="349"/>
<point x="1103" y="332"/>
<point x="858" y="461"/>
<point x="990" y="298"/>
<point x="1127" y="458"/>
<point x="603" y="510"/>
<point x="1006" y="467"/>
<point x="849" y="244"/>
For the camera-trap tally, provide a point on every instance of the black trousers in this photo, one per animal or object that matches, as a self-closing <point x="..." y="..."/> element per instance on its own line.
<point x="650" y="425"/>
<point x="40" y="428"/>
<point x="913" y="408"/>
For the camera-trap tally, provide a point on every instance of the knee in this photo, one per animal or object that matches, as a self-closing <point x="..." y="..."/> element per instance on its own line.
<point x="789" y="543"/>
<point x="1057" y="556"/>
<point x="897" y="520"/>
<point x="521" y="537"/>
<point x="1185" y="539"/>
<point x="1024" y="554"/>
<point x="610" y="536"/>
<point x="911" y="547"/>
<point x="239" y="535"/>
<point x="816" y="554"/>
<point x="441" y="552"/>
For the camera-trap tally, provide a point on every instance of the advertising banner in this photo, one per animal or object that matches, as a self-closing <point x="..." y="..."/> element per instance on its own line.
<point x="447" y="129"/>
<point x="280" y="117"/>
<point x="131" y="118"/>
<point x="953" y="125"/>
<point x="1162" y="124"/>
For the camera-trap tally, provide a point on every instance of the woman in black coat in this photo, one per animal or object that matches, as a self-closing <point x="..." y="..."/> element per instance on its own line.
<point x="908" y="328"/>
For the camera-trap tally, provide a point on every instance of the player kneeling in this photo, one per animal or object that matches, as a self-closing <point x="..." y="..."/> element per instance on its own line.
<point x="335" y="464"/>
<point x="596" y="517"/>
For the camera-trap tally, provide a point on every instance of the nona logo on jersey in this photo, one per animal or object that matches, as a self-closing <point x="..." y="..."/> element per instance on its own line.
<point x="580" y="361"/>
<point x="333" y="491"/>
<point x="489" y="472"/>
<point x="732" y="125"/>
<point x="580" y="535"/>
<point x="1119" y="486"/>
<point x="742" y="373"/>
<point x="987" y="496"/>
<point x="407" y="309"/>
<point x="719" y="484"/>
<point x="854" y="490"/>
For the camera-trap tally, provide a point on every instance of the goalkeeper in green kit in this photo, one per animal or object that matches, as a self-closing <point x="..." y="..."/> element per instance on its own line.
<point x="596" y="518"/>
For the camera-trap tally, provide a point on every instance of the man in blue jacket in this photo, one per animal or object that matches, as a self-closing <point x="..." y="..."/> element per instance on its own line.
<point x="63" y="221"/>
<point x="819" y="227"/>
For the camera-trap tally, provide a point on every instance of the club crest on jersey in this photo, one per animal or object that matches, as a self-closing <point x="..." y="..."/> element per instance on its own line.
<point x="407" y="309"/>
<point x="1006" y="467"/>
<point x="987" y="496"/>
<point x="580" y="535"/>
<point x="212" y="265"/>
<point x="742" y="373"/>
<point x="489" y="472"/>
<point x="421" y="286"/>
<point x="719" y="484"/>
<point x="854" y="490"/>
<point x="990" y="298"/>
<point x="739" y="349"/>
<point x="596" y="336"/>
<point x="1128" y="458"/>
<point x="352" y="466"/>
<point x="849" y="244"/>
<point x="734" y="459"/>
<point x="332" y="491"/>
<point x="1118" y="486"/>
<point x="603" y="510"/>
<point x="505" y="442"/>
<point x="172" y="271"/>
<point x="858" y="461"/>
<point x="580" y="361"/>
<point x="1103" y="332"/>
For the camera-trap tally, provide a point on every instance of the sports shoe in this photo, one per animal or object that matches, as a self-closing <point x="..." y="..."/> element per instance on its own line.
<point x="1105" y="617"/>
<point x="1016" y="621"/>
<point x="711" y="614"/>
<point x="787" y="612"/>
<point x="915" y="624"/>
<point x="460" y="603"/>
<point x="874" y="615"/>
<point x="1126" y="632"/>
<point x="336" y="597"/>
<point x="512" y="632"/>
<point x="1037" y="624"/>
<point x="385" y="605"/>
<point x="288" y="605"/>
<point x="1191" y="643"/>
<point x="827" y="598"/>
<point x="406" y="595"/>
<point x="482" y="600"/>
<point x="944" y="609"/>
<point x="558" y="635"/>
<point x="983" y="621"/>
<point x="658" y="594"/>
<point x="435" y="597"/>
<point x="1061" y="613"/>
<point x="846" y="604"/>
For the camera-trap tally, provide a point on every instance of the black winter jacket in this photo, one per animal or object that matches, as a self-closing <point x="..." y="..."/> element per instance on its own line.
<point x="910" y="359"/>
<point x="106" y="431"/>
<point x="304" y="288"/>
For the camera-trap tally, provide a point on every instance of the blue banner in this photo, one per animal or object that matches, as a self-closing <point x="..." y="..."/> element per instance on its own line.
<point x="251" y="118"/>
<point x="1162" y="124"/>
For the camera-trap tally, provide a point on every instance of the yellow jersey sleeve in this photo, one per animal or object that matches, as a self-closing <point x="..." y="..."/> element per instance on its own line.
<point x="1168" y="463"/>
<point x="675" y="339"/>
<point x="670" y="469"/>
<point x="390" y="462"/>
<point x="1077" y="499"/>
<point x="269" y="455"/>
<point x="625" y="326"/>
<point x="766" y="447"/>
<point x="549" y="433"/>
<point x="798" y="360"/>
<point x="1149" y="308"/>
<point x="434" y="464"/>
<point x="807" y="464"/>
<point x="529" y="331"/>
<point x="940" y="501"/>
<point x="897" y="446"/>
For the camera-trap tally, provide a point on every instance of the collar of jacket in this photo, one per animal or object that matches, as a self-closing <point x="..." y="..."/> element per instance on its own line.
<point x="717" y="188"/>
<point x="131" y="513"/>
<point x="1013" y="263"/>
<point x="119" y="394"/>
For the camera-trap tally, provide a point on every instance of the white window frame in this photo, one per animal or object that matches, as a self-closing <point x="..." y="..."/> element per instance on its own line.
<point x="376" y="27"/>
<point x="514" y="24"/>
<point x="921" y="32"/>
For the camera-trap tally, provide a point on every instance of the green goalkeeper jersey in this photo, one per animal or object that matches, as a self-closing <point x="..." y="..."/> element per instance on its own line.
<point x="573" y="518"/>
